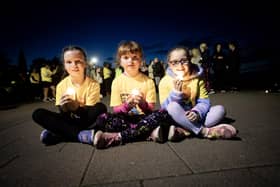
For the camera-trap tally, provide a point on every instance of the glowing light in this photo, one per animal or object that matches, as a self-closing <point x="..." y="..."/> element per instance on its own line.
<point x="71" y="92"/>
<point x="180" y="75"/>
<point x="93" y="60"/>
<point x="135" y="92"/>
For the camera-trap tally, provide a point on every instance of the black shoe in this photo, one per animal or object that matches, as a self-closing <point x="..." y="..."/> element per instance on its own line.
<point x="160" y="134"/>
<point x="177" y="134"/>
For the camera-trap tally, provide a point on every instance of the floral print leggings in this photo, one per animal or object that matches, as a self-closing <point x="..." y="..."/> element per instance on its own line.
<point x="132" y="128"/>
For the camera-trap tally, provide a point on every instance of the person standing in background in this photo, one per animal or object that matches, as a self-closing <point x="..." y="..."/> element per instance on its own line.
<point x="158" y="71"/>
<point x="47" y="83"/>
<point x="107" y="77"/>
<point x="233" y="61"/>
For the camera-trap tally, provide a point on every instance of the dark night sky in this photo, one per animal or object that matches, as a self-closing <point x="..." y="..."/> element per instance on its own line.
<point x="43" y="29"/>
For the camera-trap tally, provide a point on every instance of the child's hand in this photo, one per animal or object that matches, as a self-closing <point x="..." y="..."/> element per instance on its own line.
<point x="68" y="104"/>
<point x="130" y="100"/>
<point x="192" y="116"/>
<point x="178" y="85"/>
<point x="139" y="98"/>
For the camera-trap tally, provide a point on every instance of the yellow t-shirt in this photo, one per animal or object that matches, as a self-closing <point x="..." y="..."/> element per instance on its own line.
<point x="118" y="72"/>
<point x="87" y="94"/>
<point x="46" y="74"/>
<point x="193" y="89"/>
<point x="123" y="85"/>
<point x="106" y="73"/>
<point x="34" y="78"/>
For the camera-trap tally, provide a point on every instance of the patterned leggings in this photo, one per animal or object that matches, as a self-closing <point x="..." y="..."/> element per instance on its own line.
<point x="132" y="128"/>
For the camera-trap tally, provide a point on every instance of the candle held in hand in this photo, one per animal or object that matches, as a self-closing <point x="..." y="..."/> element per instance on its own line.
<point x="135" y="92"/>
<point x="180" y="76"/>
<point x="71" y="92"/>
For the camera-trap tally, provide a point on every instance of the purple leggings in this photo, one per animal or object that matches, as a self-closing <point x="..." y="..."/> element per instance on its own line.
<point x="214" y="116"/>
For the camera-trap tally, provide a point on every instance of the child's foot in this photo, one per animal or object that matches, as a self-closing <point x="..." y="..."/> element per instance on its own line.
<point x="46" y="100"/>
<point x="48" y="138"/>
<point x="177" y="133"/>
<point x="86" y="136"/>
<point x="106" y="139"/>
<point x="222" y="131"/>
<point x="160" y="133"/>
<point x="155" y="135"/>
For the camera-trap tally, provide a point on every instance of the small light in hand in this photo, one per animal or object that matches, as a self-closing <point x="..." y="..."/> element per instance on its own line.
<point x="180" y="76"/>
<point x="135" y="92"/>
<point x="71" y="92"/>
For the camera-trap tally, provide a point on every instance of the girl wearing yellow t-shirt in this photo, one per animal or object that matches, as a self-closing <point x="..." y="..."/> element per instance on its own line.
<point x="77" y="98"/>
<point x="133" y="100"/>
<point x="183" y="94"/>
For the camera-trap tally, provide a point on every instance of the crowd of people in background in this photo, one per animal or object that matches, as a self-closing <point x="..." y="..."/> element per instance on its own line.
<point x="221" y="65"/>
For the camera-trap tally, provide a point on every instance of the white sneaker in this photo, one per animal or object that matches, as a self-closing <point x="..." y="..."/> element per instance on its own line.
<point x="211" y="92"/>
<point x="46" y="100"/>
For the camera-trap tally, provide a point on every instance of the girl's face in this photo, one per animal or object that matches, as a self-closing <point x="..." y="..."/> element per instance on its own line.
<point x="74" y="63"/>
<point x="178" y="62"/>
<point x="131" y="62"/>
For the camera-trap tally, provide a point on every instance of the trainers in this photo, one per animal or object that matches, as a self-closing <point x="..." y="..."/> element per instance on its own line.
<point x="49" y="138"/>
<point x="46" y="100"/>
<point x="160" y="133"/>
<point x="211" y="92"/>
<point x="106" y="139"/>
<point x="52" y="99"/>
<point x="176" y="134"/>
<point x="86" y="136"/>
<point x="222" y="131"/>
<point x="155" y="135"/>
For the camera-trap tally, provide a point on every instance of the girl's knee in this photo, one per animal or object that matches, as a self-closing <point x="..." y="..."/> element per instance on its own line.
<point x="219" y="109"/>
<point x="101" y="107"/>
<point x="39" y="114"/>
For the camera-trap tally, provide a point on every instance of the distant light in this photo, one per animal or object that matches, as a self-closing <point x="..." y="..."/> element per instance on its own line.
<point x="93" y="60"/>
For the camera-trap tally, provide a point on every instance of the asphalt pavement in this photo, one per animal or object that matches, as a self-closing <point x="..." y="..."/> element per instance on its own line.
<point x="253" y="159"/>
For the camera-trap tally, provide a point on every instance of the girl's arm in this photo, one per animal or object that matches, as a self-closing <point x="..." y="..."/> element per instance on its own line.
<point x="147" y="107"/>
<point x="123" y="108"/>
<point x="174" y="96"/>
<point x="203" y="102"/>
<point x="168" y="93"/>
<point x="126" y="107"/>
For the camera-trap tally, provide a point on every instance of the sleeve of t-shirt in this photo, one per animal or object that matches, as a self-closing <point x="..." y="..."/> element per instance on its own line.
<point x="93" y="95"/>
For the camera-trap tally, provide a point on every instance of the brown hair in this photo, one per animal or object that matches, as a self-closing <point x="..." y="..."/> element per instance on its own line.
<point x="193" y="67"/>
<point x="187" y="51"/>
<point x="128" y="47"/>
<point x="72" y="48"/>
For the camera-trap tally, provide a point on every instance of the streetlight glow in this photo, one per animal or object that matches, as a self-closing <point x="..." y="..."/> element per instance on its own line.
<point x="93" y="60"/>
